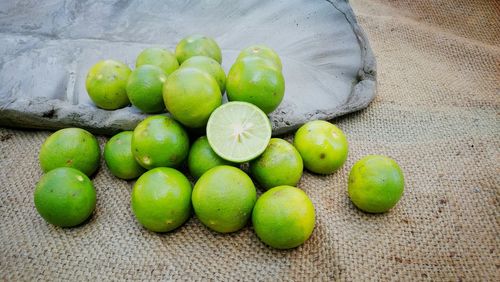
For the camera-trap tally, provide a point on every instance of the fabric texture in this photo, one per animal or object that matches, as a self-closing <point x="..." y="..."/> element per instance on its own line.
<point x="436" y="113"/>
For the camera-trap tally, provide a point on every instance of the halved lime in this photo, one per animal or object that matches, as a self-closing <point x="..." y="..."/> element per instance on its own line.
<point x="238" y="131"/>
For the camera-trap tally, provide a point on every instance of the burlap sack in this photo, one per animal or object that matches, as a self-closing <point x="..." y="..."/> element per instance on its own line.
<point x="436" y="114"/>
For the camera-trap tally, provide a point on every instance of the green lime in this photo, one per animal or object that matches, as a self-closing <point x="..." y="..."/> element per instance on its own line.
<point x="191" y="95"/>
<point x="280" y="164"/>
<point x="65" y="197"/>
<point x="257" y="81"/>
<point x="159" y="57"/>
<point x="106" y="82"/>
<point x="322" y="145"/>
<point x="202" y="158"/>
<point x="197" y="45"/>
<point x="144" y="88"/>
<point x="210" y="66"/>
<point x="161" y="199"/>
<point x="255" y="60"/>
<point x="283" y="217"/>
<point x="376" y="184"/>
<point x="119" y="158"/>
<point x="159" y="141"/>
<point x="262" y="52"/>
<point x="223" y="198"/>
<point x="238" y="131"/>
<point x="70" y="147"/>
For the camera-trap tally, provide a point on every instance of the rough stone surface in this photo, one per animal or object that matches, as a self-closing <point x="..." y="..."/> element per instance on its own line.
<point x="46" y="51"/>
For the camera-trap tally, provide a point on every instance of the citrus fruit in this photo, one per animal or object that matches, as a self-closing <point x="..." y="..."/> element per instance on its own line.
<point x="376" y="184"/>
<point x="322" y="145"/>
<point x="262" y="52"/>
<point x="197" y="45"/>
<point x="161" y="199"/>
<point x="65" y="197"/>
<point x="119" y="158"/>
<point x="144" y="88"/>
<point x="210" y="66"/>
<point x="255" y="60"/>
<point x="162" y="58"/>
<point x="106" y="82"/>
<point x="238" y="131"/>
<point x="70" y="147"/>
<point x="202" y="158"/>
<point x="283" y="217"/>
<point x="256" y="81"/>
<point x="191" y="95"/>
<point x="159" y="141"/>
<point x="223" y="198"/>
<point x="280" y="164"/>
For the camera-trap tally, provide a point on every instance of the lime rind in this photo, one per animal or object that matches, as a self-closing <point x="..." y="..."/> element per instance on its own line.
<point x="238" y="131"/>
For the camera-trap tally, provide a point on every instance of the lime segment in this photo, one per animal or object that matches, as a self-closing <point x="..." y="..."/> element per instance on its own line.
<point x="238" y="131"/>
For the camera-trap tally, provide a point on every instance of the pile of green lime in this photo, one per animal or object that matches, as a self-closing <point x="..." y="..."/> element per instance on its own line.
<point x="190" y="84"/>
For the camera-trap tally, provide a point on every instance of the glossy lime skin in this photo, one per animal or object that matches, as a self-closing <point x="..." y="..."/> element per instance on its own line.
<point x="322" y="145"/>
<point x="210" y="66"/>
<point x="376" y="184"/>
<point x="70" y="147"/>
<point x="161" y="199"/>
<point x="256" y="60"/>
<point x="191" y="95"/>
<point x="159" y="57"/>
<point x="202" y="158"/>
<point x="145" y="88"/>
<point x="280" y="164"/>
<point x="159" y="141"/>
<point x="65" y="197"/>
<point x="283" y="217"/>
<point x="256" y="81"/>
<point x="106" y="83"/>
<point x="261" y="51"/>
<point x="119" y="158"/>
<point x="223" y="199"/>
<point x="197" y="45"/>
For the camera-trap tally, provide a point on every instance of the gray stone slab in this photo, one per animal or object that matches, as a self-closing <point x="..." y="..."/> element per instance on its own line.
<point x="47" y="47"/>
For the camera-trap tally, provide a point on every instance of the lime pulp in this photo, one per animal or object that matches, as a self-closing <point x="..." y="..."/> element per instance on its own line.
<point x="238" y="131"/>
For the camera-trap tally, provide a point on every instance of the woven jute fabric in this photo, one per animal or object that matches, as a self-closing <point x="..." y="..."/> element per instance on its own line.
<point x="436" y="113"/>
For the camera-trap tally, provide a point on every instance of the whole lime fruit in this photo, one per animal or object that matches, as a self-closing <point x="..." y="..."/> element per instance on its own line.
<point x="256" y="81"/>
<point x="119" y="158"/>
<point x="161" y="199"/>
<point x="283" y="217"/>
<point x="144" y="88"/>
<point x="202" y="158"/>
<point x="255" y="60"/>
<point x="191" y="95"/>
<point x="106" y="84"/>
<point x="70" y="147"/>
<point x="280" y="164"/>
<point x="197" y="45"/>
<point x="159" y="141"/>
<point x="65" y="197"/>
<point x="210" y="66"/>
<point x="322" y="145"/>
<point x="261" y="51"/>
<point x="159" y="57"/>
<point x="223" y="198"/>
<point x="376" y="184"/>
